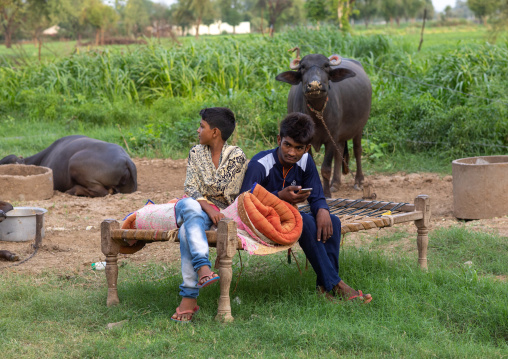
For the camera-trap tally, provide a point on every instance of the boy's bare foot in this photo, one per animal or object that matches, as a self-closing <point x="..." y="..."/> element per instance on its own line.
<point x="187" y="308"/>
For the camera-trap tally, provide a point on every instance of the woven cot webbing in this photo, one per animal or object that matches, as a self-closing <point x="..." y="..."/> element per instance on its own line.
<point x="357" y="216"/>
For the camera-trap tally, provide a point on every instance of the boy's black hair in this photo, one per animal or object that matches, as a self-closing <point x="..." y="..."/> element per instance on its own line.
<point x="219" y="117"/>
<point x="297" y="126"/>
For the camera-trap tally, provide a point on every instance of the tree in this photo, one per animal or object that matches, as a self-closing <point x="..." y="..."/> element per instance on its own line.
<point x="200" y="9"/>
<point x="499" y="20"/>
<point x="101" y="16"/>
<point x="316" y="10"/>
<point x="483" y="8"/>
<point x="275" y="9"/>
<point x="392" y="9"/>
<point x="38" y="16"/>
<point x="461" y="10"/>
<point x="262" y="6"/>
<point x="411" y="8"/>
<point x="136" y="17"/>
<point x="367" y="9"/>
<point x="70" y="14"/>
<point x="11" y="12"/>
<point x="182" y="15"/>
<point x="344" y="11"/>
<point x="230" y="12"/>
<point x="448" y="13"/>
<point x="159" y="19"/>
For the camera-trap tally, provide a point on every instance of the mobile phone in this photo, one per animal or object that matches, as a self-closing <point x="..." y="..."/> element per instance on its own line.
<point x="304" y="190"/>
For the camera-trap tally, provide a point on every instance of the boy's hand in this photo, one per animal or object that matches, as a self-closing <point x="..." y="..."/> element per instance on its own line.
<point x="214" y="215"/>
<point x="324" y="225"/>
<point x="288" y="194"/>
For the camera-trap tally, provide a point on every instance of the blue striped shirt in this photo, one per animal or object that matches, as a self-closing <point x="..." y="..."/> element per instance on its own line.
<point x="266" y="169"/>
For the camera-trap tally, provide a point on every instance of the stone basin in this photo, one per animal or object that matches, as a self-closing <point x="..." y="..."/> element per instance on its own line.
<point x="25" y="182"/>
<point x="480" y="187"/>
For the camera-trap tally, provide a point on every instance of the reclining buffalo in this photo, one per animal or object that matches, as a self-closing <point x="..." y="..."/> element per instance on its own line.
<point x="337" y="94"/>
<point x="84" y="166"/>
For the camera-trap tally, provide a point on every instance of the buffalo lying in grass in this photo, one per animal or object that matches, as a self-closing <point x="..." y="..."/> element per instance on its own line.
<point x="84" y="166"/>
<point x="337" y="94"/>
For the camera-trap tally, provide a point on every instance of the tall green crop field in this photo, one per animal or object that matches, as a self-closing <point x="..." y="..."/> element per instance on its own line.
<point x="448" y="101"/>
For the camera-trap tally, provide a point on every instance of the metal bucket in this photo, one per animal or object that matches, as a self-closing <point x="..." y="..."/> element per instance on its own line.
<point x="20" y="226"/>
<point x="480" y="187"/>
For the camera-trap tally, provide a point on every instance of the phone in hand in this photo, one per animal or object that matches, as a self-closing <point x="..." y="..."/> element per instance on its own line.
<point x="304" y="190"/>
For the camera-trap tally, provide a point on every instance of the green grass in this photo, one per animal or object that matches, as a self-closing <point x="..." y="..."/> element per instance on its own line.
<point x="445" y="312"/>
<point x="487" y="251"/>
<point x="26" y="53"/>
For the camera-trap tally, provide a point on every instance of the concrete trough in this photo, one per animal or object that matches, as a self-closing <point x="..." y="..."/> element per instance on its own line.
<point x="480" y="187"/>
<point x="25" y="182"/>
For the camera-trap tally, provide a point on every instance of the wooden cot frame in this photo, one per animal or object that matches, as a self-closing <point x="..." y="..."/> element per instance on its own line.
<point x="227" y="243"/>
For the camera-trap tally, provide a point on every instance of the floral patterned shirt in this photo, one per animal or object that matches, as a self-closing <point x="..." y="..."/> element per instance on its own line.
<point x="221" y="185"/>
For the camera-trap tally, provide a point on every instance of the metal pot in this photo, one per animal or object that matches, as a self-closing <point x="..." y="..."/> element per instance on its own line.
<point x="19" y="224"/>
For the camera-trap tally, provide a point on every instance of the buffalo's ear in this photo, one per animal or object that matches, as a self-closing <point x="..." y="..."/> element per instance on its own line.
<point x="339" y="74"/>
<point x="291" y="77"/>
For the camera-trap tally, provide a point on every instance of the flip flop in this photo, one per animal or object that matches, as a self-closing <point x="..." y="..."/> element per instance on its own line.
<point x="209" y="281"/>
<point x="191" y="312"/>
<point x="367" y="298"/>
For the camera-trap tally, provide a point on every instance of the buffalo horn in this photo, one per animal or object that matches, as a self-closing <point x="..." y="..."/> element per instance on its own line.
<point x="335" y="60"/>
<point x="294" y="64"/>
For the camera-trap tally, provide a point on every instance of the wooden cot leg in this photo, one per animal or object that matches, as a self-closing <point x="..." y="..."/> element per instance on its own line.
<point x="226" y="249"/>
<point x="110" y="249"/>
<point x="422" y="203"/>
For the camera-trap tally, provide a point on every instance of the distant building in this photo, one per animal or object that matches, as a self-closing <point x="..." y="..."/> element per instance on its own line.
<point x="53" y="30"/>
<point x="218" y="28"/>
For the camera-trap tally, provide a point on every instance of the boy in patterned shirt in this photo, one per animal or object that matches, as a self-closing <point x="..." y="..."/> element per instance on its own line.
<point x="215" y="172"/>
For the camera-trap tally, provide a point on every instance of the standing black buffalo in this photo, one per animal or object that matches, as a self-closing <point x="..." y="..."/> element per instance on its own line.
<point x="337" y="94"/>
<point x="84" y="166"/>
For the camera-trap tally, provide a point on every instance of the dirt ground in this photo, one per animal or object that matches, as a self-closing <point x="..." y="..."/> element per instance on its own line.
<point x="72" y="224"/>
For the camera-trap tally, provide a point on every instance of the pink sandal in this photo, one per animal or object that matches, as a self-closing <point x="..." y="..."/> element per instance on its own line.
<point x="191" y="312"/>
<point x="367" y="298"/>
<point x="209" y="281"/>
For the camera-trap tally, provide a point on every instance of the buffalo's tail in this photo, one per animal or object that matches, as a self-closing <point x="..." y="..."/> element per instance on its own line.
<point x="129" y="182"/>
<point x="345" y="160"/>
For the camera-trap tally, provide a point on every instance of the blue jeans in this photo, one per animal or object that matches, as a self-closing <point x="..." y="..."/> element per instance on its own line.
<point x="324" y="257"/>
<point x="193" y="223"/>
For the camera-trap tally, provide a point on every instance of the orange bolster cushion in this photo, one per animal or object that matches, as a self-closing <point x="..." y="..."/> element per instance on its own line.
<point x="130" y="222"/>
<point x="273" y="217"/>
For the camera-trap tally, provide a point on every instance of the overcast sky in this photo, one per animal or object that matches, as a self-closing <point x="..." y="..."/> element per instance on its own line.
<point x="439" y="5"/>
